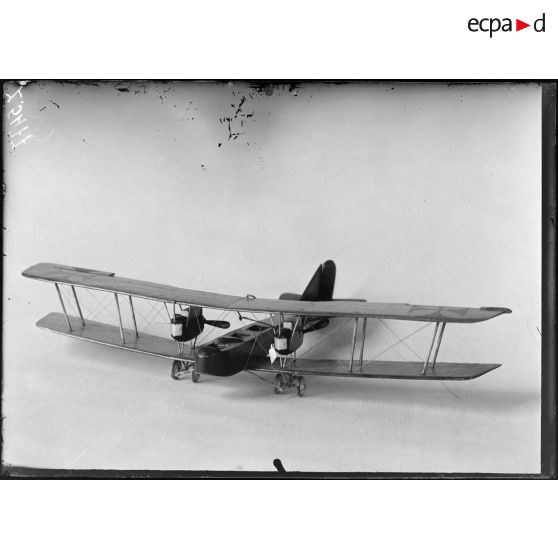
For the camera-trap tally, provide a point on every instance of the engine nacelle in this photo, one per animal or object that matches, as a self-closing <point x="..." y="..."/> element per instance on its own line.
<point x="185" y="328"/>
<point x="177" y="323"/>
<point x="287" y="339"/>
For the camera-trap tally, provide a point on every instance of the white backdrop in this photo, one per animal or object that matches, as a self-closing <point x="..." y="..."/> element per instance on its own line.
<point x="428" y="194"/>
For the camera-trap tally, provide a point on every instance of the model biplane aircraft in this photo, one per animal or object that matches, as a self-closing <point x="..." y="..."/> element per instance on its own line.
<point x="276" y="328"/>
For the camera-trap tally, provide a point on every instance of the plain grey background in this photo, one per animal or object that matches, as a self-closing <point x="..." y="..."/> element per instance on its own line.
<point x="428" y="194"/>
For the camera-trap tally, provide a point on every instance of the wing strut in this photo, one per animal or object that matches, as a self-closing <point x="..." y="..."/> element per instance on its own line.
<point x="438" y="344"/>
<point x="134" y="315"/>
<point x="353" y="349"/>
<point x="119" y="318"/>
<point x="430" y="350"/>
<point x="78" y="306"/>
<point x="63" y="306"/>
<point x="363" y="340"/>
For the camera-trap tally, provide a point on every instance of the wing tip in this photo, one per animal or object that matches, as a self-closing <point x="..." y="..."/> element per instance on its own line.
<point x="498" y="309"/>
<point x="38" y="270"/>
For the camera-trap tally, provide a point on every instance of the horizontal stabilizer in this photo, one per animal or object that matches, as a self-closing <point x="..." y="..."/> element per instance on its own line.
<point x="289" y="296"/>
<point x="384" y="369"/>
<point x="104" y="334"/>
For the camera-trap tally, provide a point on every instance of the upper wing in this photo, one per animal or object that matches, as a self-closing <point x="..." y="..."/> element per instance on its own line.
<point x="92" y="279"/>
<point x="336" y="308"/>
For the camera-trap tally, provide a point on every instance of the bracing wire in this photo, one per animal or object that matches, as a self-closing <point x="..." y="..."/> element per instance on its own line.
<point x="332" y="332"/>
<point x="208" y="332"/>
<point x="102" y="305"/>
<point x="397" y="342"/>
<point x="401" y="340"/>
<point x="154" y="312"/>
<point x="259" y="377"/>
<point x="168" y="313"/>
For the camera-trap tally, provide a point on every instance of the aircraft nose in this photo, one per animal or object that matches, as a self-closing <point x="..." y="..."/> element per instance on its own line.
<point x="203" y="353"/>
<point x="206" y="361"/>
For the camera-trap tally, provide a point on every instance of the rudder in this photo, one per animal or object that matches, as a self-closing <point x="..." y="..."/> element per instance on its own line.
<point x="322" y="283"/>
<point x="320" y="286"/>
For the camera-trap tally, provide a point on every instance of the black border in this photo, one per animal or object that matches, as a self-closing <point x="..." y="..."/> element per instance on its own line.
<point x="548" y="318"/>
<point x="548" y="347"/>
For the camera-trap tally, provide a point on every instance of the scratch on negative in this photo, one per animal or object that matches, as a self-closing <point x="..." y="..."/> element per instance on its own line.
<point x="79" y="456"/>
<point x="529" y="328"/>
<point x="88" y="144"/>
<point x="465" y="402"/>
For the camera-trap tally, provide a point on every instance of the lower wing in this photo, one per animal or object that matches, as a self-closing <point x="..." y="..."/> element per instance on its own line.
<point x="104" y="334"/>
<point x="381" y="369"/>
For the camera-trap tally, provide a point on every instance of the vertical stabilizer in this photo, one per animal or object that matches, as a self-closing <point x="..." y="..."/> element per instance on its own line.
<point x="322" y="283"/>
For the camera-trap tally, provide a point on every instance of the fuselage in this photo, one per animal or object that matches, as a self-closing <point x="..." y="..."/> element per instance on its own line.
<point x="240" y="349"/>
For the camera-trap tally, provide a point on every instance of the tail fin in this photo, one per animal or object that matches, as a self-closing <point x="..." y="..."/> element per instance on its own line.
<point x="327" y="282"/>
<point x="320" y="286"/>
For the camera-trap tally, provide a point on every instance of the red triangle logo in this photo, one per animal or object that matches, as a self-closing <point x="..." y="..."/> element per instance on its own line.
<point x="519" y="25"/>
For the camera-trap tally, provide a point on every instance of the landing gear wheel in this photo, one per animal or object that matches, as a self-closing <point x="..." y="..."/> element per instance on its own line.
<point x="278" y="383"/>
<point x="301" y="386"/>
<point x="177" y="370"/>
<point x="195" y="375"/>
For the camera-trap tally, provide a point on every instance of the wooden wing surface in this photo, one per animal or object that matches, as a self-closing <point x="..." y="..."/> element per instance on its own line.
<point x="105" y="281"/>
<point x="395" y="370"/>
<point x="105" y="334"/>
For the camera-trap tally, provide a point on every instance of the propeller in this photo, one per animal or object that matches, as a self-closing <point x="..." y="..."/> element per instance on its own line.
<point x="316" y="325"/>
<point x="196" y="312"/>
<point x="218" y="323"/>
